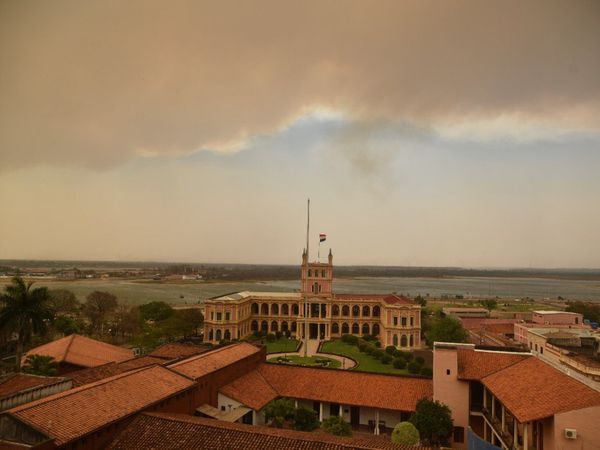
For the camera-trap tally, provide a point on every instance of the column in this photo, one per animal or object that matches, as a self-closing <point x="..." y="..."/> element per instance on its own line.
<point x="484" y="430"/>
<point x="484" y="397"/>
<point x="320" y="411"/>
<point x="515" y="433"/>
<point x="376" y="422"/>
<point x="493" y="407"/>
<point x="341" y="411"/>
<point x="503" y="419"/>
<point x="525" y="435"/>
<point x="296" y="404"/>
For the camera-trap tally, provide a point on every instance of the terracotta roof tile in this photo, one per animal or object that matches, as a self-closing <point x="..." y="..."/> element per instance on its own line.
<point x="251" y="389"/>
<point x="69" y="415"/>
<point x="142" y="361"/>
<point x="477" y="364"/>
<point x="532" y="389"/>
<point x="23" y="381"/>
<point x="93" y="374"/>
<point x="198" y="366"/>
<point x="345" y="387"/>
<point x="175" y="350"/>
<point x="176" y="431"/>
<point x="82" y="351"/>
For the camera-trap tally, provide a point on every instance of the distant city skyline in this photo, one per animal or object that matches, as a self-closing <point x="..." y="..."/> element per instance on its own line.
<point x="425" y="133"/>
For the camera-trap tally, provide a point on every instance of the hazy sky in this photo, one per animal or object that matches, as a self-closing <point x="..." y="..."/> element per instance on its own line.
<point x="426" y="133"/>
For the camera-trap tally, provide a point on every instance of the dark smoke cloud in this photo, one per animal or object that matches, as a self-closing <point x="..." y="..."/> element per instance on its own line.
<point x="94" y="83"/>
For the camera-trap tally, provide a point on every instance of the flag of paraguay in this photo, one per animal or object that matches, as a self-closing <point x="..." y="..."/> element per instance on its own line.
<point x="322" y="237"/>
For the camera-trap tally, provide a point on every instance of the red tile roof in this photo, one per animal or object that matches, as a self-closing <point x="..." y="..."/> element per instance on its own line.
<point x="390" y="299"/>
<point x="177" y="431"/>
<point x="69" y="415"/>
<point x="23" y="381"/>
<point x="175" y="350"/>
<point x="250" y="389"/>
<point x="532" y="389"/>
<point x="477" y="364"/>
<point x="82" y="351"/>
<point x="503" y="326"/>
<point x="92" y="374"/>
<point x="329" y="385"/>
<point x="200" y="365"/>
<point x="142" y="361"/>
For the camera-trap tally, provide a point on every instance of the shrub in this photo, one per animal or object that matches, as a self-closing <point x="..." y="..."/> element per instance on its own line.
<point x="386" y="358"/>
<point x="279" y="335"/>
<point x="377" y="353"/>
<point x="278" y="411"/>
<point x="405" y="433"/>
<point x="362" y="346"/>
<point x="345" y="338"/>
<point x="398" y="354"/>
<point x="306" y="419"/>
<point x="337" y="426"/>
<point x="420" y="360"/>
<point x="433" y="420"/>
<point x="426" y="371"/>
<point x="408" y="356"/>
<point x="271" y="337"/>
<point x="399" y="363"/>
<point x="370" y="349"/>
<point x="414" y="367"/>
<point x="368" y="337"/>
<point x="390" y="349"/>
<point x="377" y="344"/>
<point x="350" y="339"/>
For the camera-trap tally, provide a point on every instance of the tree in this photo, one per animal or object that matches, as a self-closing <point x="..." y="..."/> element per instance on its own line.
<point x="190" y="320"/>
<point x="337" y="426"/>
<point x="156" y="311"/>
<point x="405" y="433"/>
<point x="40" y="365"/>
<point x="433" y="420"/>
<point x="25" y="312"/>
<point x="67" y="325"/>
<point x="98" y="306"/>
<point x="490" y="304"/>
<point x="446" y="329"/>
<point x="64" y="301"/>
<point x="306" y="419"/>
<point x="420" y="300"/>
<point x="278" y="411"/>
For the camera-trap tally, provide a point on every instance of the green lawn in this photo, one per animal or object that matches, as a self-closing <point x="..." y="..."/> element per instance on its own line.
<point x="309" y="361"/>
<point x="365" y="362"/>
<point x="282" y="346"/>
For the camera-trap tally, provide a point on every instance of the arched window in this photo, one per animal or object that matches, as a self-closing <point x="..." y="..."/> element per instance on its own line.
<point x="254" y="325"/>
<point x="274" y="326"/>
<point x="375" y="331"/>
<point x="412" y="340"/>
<point x="295" y="309"/>
<point x="274" y="309"/>
<point x="284" y="326"/>
<point x="403" y="341"/>
<point x="365" y="328"/>
<point x="345" y="328"/>
<point x="335" y="310"/>
<point x="355" y="311"/>
<point x="264" y="309"/>
<point x="218" y="335"/>
<point x="376" y="311"/>
<point x="395" y="340"/>
<point x="366" y="311"/>
<point x="294" y="327"/>
<point x="210" y="335"/>
<point x="254" y="308"/>
<point x="264" y="326"/>
<point x="309" y="273"/>
<point x="335" y="328"/>
<point x="285" y="310"/>
<point x="345" y="310"/>
<point x="227" y="335"/>
<point x="355" y="328"/>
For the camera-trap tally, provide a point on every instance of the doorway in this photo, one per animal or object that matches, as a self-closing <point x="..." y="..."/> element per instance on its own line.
<point x="354" y="417"/>
<point x="313" y="331"/>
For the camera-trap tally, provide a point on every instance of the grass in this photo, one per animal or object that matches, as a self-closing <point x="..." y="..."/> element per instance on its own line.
<point x="282" y="346"/>
<point x="309" y="361"/>
<point x="365" y="362"/>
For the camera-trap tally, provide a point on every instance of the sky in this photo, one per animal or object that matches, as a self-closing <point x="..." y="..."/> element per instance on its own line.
<point x="455" y="133"/>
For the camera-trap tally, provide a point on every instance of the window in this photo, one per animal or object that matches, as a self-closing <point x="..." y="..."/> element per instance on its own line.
<point x="412" y="321"/>
<point x="227" y="316"/>
<point x="322" y="274"/>
<point x="219" y="316"/>
<point x="404" y="322"/>
<point x="309" y="273"/>
<point x="542" y="350"/>
<point x="459" y="435"/>
<point x="395" y="321"/>
<point x="447" y="371"/>
<point x="212" y="315"/>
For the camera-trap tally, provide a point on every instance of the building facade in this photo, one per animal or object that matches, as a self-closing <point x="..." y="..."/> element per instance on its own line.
<point x="394" y="319"/>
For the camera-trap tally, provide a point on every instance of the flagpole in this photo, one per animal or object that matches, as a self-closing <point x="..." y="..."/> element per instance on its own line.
<point x="307" y="282"/>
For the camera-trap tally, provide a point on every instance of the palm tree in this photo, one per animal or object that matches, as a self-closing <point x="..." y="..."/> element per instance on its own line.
<point x="25" y="311"/>
<point x="40" y="365"/>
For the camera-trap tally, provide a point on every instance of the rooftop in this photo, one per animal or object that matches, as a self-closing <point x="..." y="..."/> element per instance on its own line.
<point x="478" y="364"/>
<point x="71" y="414"/>
<point x="23" y="381"/>
<point x="199" y="365"/>
<point x="270" y="381"/>
<point x="543" y="313"/>
<point x="82" y="351"/>
<point x="532" y="389"/>
<point x="390" y="299"/>
<point x="175" y="350"/>
<point x="176" y="431"/>
<point x="247" y="294"/>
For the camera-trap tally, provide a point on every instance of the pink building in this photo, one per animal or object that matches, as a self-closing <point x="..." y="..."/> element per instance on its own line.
<point x="514" y="400"/>
<point x="557" y="318"/>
